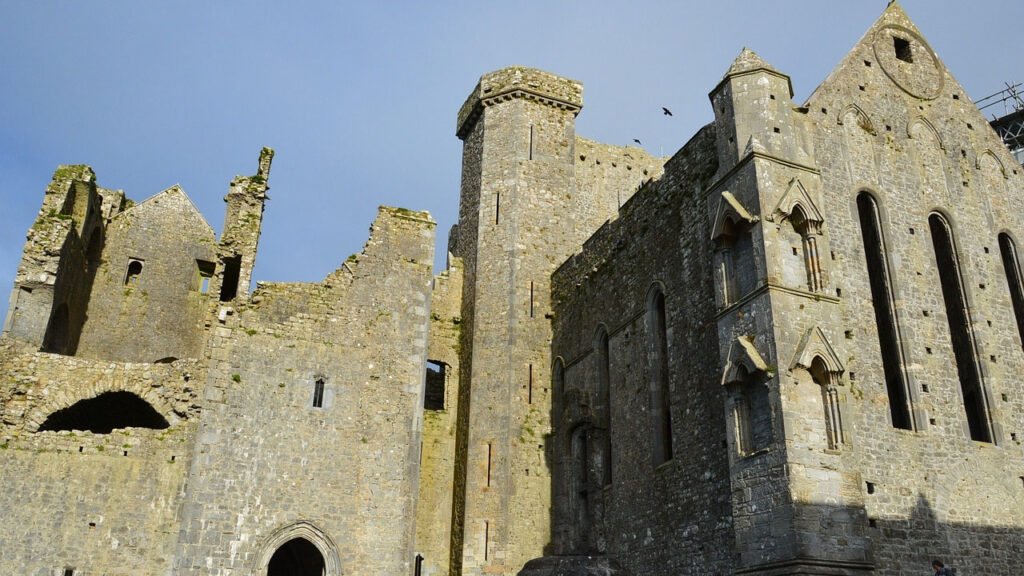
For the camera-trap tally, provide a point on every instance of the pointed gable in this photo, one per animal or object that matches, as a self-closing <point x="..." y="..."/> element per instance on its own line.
<point x="170" y="204"/>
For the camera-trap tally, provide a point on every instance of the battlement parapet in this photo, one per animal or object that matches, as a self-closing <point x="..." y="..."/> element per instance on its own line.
<point x="519" y="82"/>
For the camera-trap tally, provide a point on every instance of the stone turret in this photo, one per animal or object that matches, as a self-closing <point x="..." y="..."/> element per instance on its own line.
<point x="243" y="221"/>
<point x="515" y="226"/>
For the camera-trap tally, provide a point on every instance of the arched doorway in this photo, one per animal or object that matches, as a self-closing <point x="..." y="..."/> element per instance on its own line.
<point x="296" y="557"/>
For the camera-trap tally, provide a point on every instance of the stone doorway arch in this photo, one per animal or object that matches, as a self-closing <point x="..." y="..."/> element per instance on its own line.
<point x="299" y="549"/>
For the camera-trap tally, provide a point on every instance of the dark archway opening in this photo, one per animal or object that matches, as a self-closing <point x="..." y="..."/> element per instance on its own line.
<point x="104" y="413"/>
<point x="296" y="557"/>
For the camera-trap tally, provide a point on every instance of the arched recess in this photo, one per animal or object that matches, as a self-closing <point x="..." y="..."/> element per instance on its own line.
<point x="603" y="398"/>
<point x="987" y="160"/>
<point x="734" y="249"/>
<point x="658" y="362"/>
<point x="316" y="541"/>
<point x="816" y="355"/>
<point x="798" y="210"/>
<point x="104" y="413"/>
<point x="931" y="158"/>
<point x="579" y="486"/>
<point x="853" y="114"/>
<point x="746" y="377"/>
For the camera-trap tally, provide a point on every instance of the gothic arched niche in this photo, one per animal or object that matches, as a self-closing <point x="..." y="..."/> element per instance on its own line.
<point x="297" y="557"/>
<point x="105" y="413"/>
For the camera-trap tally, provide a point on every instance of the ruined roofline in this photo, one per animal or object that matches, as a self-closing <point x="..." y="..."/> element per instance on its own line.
<point x="519" y="82"/>
<point x="745" y="64"/>
<point x="165" y="191"/>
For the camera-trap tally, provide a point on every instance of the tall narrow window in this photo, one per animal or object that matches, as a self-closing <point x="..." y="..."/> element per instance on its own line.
<point x="433" y="396"/>
<point x="579" y="484"/>
<point x="660" y="399"/>
<point x="753" y="414"/>
<point x="885" y="311"/>
<point x="489" y="448"/>
<point x="605" y="410"/>
<point x="1011" y="265"/>
<point x="960" y="331"/>
<point x="318" y="393"/>
<point x="229" y="284"/>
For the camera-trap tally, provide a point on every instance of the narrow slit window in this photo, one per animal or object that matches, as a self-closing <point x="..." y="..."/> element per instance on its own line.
<point x="604" y="393"/>
<point x="529" y="384"/>
<point x="960" y="331"/>
<point x="318" y="393"/>
<point x="497" y="208"/>
<point x="531" y="141"/>
<point x="531" y="299"/>
<point x="489" y="449"/>
<point x="229" y="285"/>
<point x="487" y="538"/>
<point x="883" y="302"/>
<point x="660" y="399"/>
<point x="131" y="276"/>
<point x="1011" y="265"/>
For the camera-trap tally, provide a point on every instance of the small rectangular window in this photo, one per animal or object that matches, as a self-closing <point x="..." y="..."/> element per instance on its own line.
<point x="903" y="49"/>
<point x="69" y="572"/>
<point x="318" y="393"/>
<point x="205" y="273"/>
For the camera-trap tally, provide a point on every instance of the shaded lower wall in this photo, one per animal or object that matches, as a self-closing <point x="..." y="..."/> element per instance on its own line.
<point x="97" y="503"/>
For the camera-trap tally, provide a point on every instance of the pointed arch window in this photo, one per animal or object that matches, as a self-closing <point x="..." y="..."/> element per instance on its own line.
<point x="883" y="302"/>
<point x="1011" y="265"/>
<point x="960" y="330"/>
<point x="661" y="412"/>
<point x="605" y="409"/>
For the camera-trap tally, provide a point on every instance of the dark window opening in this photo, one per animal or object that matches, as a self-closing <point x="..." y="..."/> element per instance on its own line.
<point x="604" y="396"/>
<point x="529" y="384"/>
<point x="531" y="141"/>
<point x="297" y="557"/>
<point x="497" y="207"/>
<point x="489" y="448"/>
<point x="418" y="570"/>
<point x="205" y="272"/>
<point x="487" y="538"/>
<point x="232" y="270"/>
<point x="131" y="276"/>
<point x="433" y="397"/>
<point x="104" y="413"/>
<point x="960" y="331"/>
<point x="1011" y="265"/>
<point x="903" y="49"/>
<point x="580" y="474"/>
<point x="660" y="399"/>
<point x="882" y="300"/>
<point x="318" y="393"/>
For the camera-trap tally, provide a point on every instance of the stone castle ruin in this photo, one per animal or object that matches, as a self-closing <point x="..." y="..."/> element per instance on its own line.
<point x="790" y="348"/>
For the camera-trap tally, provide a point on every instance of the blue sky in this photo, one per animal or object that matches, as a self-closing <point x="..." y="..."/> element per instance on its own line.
<point x="359" y="99"/>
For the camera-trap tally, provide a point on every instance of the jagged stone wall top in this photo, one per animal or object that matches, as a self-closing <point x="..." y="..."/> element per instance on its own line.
<point x="519" y="82"/>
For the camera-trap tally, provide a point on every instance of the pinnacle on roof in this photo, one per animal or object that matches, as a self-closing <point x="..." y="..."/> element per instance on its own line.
<point x="748" y="61"/>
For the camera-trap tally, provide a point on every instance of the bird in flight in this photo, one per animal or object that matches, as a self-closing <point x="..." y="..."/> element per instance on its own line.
<point x="666" y="111"/>
<point x="639" y="143"/>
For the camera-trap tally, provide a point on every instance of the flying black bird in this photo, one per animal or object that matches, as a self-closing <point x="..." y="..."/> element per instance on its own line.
<point x="666" y="111"/>
<point x="639" y="143"/>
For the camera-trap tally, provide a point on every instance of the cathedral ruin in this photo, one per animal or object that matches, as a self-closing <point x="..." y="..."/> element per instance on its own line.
<point x="789" y="348"/>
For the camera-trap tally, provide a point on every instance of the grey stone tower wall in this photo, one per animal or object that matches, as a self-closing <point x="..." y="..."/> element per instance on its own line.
<point x="669" y="518"/>
<point x="437" y="464"/>
<point x="269" y="465"/>
<point x="517" y="127"/>
<point x="161" y="313"/>
<point x="97" y="503"/>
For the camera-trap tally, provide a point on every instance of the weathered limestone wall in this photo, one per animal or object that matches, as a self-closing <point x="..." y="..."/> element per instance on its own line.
<point x="54" y="278"/>
<point x="269" y="464"/>
<point x="97" y="503"/>
<point x="514" y="229"/>
<point x="437" y="464"/>
<point x="907" y="133"/>
<point x="669" y="518"/>
<point x="161" y="312"/>
<point x="606" y="178"/>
